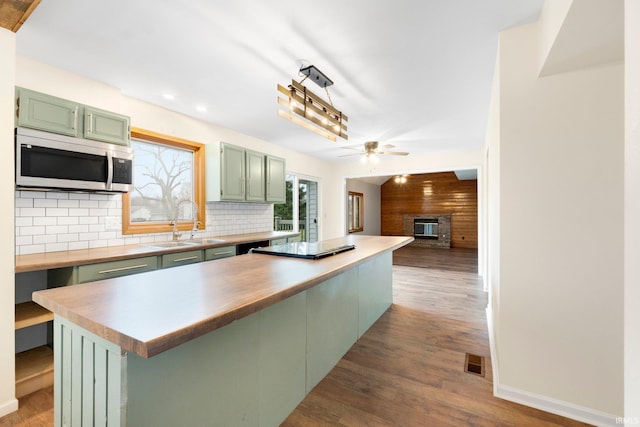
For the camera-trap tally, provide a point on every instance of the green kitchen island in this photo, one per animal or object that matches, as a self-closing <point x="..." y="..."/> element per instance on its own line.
<point x="236" y="341"/>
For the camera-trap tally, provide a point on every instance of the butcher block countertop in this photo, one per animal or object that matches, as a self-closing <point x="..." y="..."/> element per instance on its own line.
<point x="149" y="313"/>
<point x="45" y="261"/>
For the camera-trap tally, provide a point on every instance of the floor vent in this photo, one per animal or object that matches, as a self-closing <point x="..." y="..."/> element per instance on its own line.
<point x="474" y="364"/>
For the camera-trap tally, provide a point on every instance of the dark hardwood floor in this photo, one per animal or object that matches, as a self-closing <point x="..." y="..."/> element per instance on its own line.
<point x="454" y="259"/>
<point x="407" y="370"/>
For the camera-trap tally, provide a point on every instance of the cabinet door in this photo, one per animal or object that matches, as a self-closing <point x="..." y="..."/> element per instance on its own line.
<point x="232" y="175"/>
<point x="105" y="126"/>
<point x="276" y="185"/>
<point x="220" y="252"/>
<point x="39" y="111"/>
<point x="279" y="241"/>
<point x="255" y="167"/>
<point x="181" y="258"/>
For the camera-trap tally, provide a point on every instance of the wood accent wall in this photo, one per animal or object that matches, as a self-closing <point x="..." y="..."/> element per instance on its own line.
<point x="432" y="193"/>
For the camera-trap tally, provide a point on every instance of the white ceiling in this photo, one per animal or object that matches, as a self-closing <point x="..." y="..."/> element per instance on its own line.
<point x="413" y="73"/>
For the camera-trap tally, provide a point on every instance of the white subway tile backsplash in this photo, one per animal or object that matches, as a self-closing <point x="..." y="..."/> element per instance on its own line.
<point x="30" y="231"/>
<point x="44" y="220"/>
<point x="78" y="245"/>
<point x="24" y="203"/>
<point x="58" y="221"/>
<point x="45" y="203"/>
<point x="57" y="212"/>
<point x="68" y="203"/>
<point x="32" y="212"/>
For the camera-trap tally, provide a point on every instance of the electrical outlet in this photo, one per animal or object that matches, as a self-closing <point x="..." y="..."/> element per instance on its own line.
<point x="111" y="223"/>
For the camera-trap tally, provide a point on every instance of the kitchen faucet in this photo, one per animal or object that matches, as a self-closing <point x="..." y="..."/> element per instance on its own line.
<point x="175" y="232"/>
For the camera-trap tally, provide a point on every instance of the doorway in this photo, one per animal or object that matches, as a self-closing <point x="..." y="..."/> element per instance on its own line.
<point x="300" y="212"/>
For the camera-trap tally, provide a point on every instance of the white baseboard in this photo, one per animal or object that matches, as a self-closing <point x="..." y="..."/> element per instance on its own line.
<point x="543" y="403"/>
<point x="8" y="407"/>
<point x="557" y="407"/>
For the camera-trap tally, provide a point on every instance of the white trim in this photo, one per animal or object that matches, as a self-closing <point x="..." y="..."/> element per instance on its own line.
<point x="8" y="407"/>
<point x="492" y="348"/>
<point x="554" y="406"/>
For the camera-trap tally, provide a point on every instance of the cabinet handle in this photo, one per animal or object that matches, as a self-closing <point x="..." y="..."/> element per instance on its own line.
<point x="185" y="258"/>
<point x="90" y="122"/>
<point x="222" y="253"/>
<point x="114" y="270"/>
<point x="74" y="112"/>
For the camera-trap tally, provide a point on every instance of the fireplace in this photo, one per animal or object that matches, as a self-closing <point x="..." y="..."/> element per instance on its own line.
<point x="428" y="229"/>
<point x="425" y="228"/>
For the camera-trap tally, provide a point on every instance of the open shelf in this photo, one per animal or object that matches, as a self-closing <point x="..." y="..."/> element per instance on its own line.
<point x="34" y="370"/>
<point x="29" y="314"/>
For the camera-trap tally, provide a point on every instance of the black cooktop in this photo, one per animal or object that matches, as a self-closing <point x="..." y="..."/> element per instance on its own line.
<point x="304" y="250"/>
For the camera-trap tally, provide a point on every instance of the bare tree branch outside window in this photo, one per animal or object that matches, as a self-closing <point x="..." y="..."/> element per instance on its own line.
<point x="163" y="177"/>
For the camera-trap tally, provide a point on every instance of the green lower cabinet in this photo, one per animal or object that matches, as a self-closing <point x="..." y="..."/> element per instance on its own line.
<point x="108" y="270"/>
<point x="293" y="239"/>
<point x="220" y="252"/>
<point x="182" y="258"/>
<point x="281" y="241"/>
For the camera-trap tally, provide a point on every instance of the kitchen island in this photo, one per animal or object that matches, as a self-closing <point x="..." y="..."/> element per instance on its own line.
<point x="238" y="341"/>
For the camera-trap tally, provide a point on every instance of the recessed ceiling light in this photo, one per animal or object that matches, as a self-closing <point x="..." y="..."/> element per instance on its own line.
<point x="168" y="96"/>
<point x="201" y="108"/>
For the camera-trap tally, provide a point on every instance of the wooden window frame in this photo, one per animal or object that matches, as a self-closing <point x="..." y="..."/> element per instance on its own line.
<point x="351" y="211"/>
<point x="198" y="184"/>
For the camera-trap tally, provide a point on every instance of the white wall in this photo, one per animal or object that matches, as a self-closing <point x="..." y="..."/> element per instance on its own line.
<point x="371" y="193"/>
<point x="8" y="402"/>
<point x="632" y="212"/>
<point x="560" y="321"/>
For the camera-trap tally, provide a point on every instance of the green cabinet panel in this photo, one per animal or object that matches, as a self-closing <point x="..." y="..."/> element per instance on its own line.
<point x="101" y="125"/>
<point x="48" y="113"/>
<point x="182" y="258"/>
<point x="220" y="252"/>
<point x="255" y="176"/>
<point x="276" y="186"/>
<point x="280" y="241"/>
<point x="232" y="173"/>
<point x="293" y="239"/>
<point x="108" y="270"/>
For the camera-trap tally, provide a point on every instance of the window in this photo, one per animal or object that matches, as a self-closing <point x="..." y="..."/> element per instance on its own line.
<point x="168" y="175"/>
<point x="355" y="212"/>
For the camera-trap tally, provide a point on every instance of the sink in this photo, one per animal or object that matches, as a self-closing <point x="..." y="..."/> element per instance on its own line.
<point x="204" y="241"/>
<point x="172" y="244"/>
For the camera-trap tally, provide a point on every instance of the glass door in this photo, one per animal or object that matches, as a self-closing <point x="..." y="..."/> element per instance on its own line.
<point x="300" y="212"/>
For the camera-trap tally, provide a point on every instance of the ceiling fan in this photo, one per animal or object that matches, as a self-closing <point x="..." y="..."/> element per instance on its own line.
<point x="371" y="148"/>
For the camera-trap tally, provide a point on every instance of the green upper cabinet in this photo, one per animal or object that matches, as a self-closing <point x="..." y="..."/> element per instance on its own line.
<point x="236" y="174"/>
<point x="44" y="112"/>
<point x="255" y="176"/>
<point x="276" y="185"/>
<point x="101" y="125"/>
<point x="232" y="173"/>
<point x="48" y="113"/>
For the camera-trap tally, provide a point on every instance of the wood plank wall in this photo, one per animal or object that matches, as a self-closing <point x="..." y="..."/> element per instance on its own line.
<point x="433" y="193"/>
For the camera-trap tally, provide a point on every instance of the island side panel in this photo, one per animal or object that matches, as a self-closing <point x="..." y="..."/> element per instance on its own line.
<point x="88" y="374"/>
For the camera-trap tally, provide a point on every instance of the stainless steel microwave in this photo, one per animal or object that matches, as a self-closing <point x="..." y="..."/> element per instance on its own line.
<point x="49" y="161"/>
